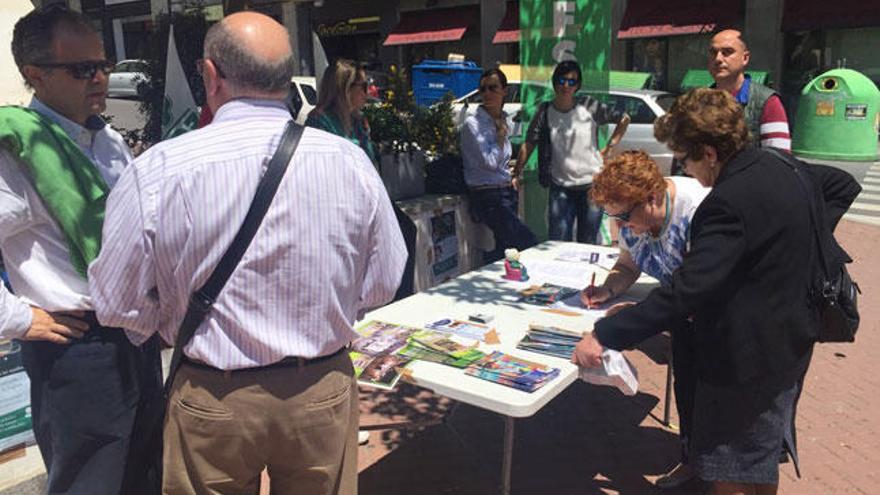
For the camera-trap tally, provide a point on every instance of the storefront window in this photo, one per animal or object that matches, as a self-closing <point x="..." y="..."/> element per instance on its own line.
<point x="651" y="55"/>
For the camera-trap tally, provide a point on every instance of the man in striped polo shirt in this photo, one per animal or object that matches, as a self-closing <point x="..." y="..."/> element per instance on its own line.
<point x="764" y="113"/>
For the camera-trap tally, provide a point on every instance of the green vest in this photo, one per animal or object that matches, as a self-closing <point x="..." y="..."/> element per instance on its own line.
<point x="758" y="96"/>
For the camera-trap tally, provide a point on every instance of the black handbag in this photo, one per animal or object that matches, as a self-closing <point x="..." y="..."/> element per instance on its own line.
<point x="834" y="293"/>
<point x="201" y="301"/>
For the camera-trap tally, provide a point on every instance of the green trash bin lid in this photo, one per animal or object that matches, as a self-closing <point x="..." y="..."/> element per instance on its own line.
<point x="700" y="78"/>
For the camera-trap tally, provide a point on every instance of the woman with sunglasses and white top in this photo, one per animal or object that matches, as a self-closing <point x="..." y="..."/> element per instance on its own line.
<point x="654" y="214"/>
<point x="565" y="131"/>
<point x="486" y="152"/>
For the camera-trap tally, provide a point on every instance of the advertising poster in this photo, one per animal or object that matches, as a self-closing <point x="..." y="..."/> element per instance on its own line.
<point x="444" y="242"/>
<point x="15" y="401"/>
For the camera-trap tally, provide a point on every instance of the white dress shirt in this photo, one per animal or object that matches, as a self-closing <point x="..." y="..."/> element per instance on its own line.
<point x="328" y="249"/>
<point x="34" y="248"/>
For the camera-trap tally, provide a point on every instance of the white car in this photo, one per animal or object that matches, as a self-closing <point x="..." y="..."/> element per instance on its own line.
<point x="302" y="98"/>
<point x="642" y="105"/>
<point x="125" y="78"/>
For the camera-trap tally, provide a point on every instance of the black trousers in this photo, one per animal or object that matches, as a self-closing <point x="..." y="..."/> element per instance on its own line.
<point x="684" y="373"/>
<point x="409" y="231"/>
<point x="497" y="209"/>
<point x="89" y="402"/>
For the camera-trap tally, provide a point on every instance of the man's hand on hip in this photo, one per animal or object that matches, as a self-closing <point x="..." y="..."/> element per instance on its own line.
<point x="58" y="328"/>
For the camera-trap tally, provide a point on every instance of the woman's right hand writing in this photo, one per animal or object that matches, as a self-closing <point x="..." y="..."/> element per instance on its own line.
<point x="594" y="295"/>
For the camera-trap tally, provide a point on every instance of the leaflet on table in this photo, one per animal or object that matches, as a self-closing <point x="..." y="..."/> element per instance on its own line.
<point x="466" y="329"/>
<point x="445" y="343"/>
<point x="416" y="351"/>
<point x="560" y="273"/>
<point x="379" y="337"/>
<point x="600" y="258"/>
<point x="512" y="371"/>
<point x="547" y="294"/>
<point x="553" y="341"/>
<point x="574" y="302"/>
<point x="616" y="371"/>
<point x="382" y="371"/>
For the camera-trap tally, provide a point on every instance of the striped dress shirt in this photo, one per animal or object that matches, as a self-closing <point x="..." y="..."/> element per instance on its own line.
<point x="35" y="250"/>
<point x="328" y="249"/>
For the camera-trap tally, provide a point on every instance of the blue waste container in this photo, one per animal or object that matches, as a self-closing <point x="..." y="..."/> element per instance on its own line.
<point x="432" y="79"/>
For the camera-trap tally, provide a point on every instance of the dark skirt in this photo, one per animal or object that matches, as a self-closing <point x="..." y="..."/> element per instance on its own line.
<point x="739" y="431"/>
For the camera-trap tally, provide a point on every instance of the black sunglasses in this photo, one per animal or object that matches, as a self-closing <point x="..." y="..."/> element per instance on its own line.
<point x="489" y="87"/>
<point x="200" y="67"/>
<point x="570" y="81"/>
<point x="82" y="70"/>
<point x="623" y="217"/>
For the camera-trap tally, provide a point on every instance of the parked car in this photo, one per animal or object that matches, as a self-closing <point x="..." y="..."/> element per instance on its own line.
<point x="642" y="105"/>
<point x="125" y="78"/>
<point x="302" y="98"/>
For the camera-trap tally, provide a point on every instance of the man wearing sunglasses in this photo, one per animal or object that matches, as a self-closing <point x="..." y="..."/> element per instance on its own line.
<point x="91" y="388"/>
<point x="565" y="130"/>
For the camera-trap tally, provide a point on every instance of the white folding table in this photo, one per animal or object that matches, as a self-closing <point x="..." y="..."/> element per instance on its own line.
<point x="485" y="291"/>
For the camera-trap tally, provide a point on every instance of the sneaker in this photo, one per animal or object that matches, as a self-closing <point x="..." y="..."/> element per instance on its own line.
<point x="678" y="476"/>
<point x="363" y="437"/>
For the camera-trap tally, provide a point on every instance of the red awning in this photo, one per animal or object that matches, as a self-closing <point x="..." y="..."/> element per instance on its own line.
<point x="649" y="18"/>
<point x="804" y="15"/>
<point x="508" y="31"/>
<point x="429" y="26"/>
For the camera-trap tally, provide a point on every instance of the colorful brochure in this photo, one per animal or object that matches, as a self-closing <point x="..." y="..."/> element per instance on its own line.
<point x="379" y="337"/>
<point x="512" y="371"/>
<point x="546" y="294"/>
<point x="382" y="371"/>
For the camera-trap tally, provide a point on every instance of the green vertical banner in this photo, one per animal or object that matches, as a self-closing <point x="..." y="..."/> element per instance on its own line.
<point x="551" y="32"/>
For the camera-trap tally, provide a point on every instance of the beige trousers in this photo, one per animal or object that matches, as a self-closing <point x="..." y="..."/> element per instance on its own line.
<point x="300" y="423"/>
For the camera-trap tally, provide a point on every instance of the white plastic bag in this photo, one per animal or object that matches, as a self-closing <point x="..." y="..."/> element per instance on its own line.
<point x="616" y="371"/>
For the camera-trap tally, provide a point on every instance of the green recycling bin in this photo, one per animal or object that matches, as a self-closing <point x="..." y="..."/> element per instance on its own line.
<point x="837" y="118"/>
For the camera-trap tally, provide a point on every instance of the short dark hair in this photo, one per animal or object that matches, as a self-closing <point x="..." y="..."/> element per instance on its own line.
<point x="563" y="68"/>
<point x="34" y="33"/>
<point x="495" y="72"/>
<point x="242" y="68"/>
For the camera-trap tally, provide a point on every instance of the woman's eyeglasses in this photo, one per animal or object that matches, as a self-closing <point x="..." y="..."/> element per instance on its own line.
<point x="567" y="81"/>
<point x="489" y="87"/>
<point x="625" y="216"/>
<point x="82" y="70"/>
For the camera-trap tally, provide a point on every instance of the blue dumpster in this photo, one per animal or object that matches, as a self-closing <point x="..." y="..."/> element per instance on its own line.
<point x="432" y="79"/>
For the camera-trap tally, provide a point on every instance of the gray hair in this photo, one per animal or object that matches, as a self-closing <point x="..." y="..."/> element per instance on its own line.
<point x="243" y="69"/>
<point x="34" y="33"/>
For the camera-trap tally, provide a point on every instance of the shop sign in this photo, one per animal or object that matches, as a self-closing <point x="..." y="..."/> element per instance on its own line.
<point x="348" y="27"/>
<point x="552" y="32"/>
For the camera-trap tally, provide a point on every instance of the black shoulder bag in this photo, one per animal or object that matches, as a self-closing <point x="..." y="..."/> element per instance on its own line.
<point x="833" y="292"/>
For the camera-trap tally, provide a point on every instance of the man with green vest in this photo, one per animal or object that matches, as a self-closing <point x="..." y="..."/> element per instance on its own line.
<point x="764" y="113"/>
<point x="91" y="389"/>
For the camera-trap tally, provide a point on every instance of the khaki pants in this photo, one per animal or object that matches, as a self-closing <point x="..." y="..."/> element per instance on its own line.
<point x="224" y="428"/>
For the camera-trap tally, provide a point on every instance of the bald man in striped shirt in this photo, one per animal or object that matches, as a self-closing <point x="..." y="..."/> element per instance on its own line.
<point x="728" y="57"/>
<point x="266" y="381"/>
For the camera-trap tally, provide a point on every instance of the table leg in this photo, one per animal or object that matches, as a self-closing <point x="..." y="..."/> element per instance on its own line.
<point x="507" y="455"/>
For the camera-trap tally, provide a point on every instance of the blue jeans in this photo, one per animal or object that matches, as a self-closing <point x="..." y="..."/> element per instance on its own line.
<point x="497" y="209"/>
<point x="568" y="204"/>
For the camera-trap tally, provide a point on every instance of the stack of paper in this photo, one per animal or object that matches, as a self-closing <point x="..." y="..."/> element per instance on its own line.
<point x="441" y="348"/>
<point x="512" y="371"/>
<point x="548" y="340"/>
<point x="374" y="353"/>
<point x="466" y="329"/>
